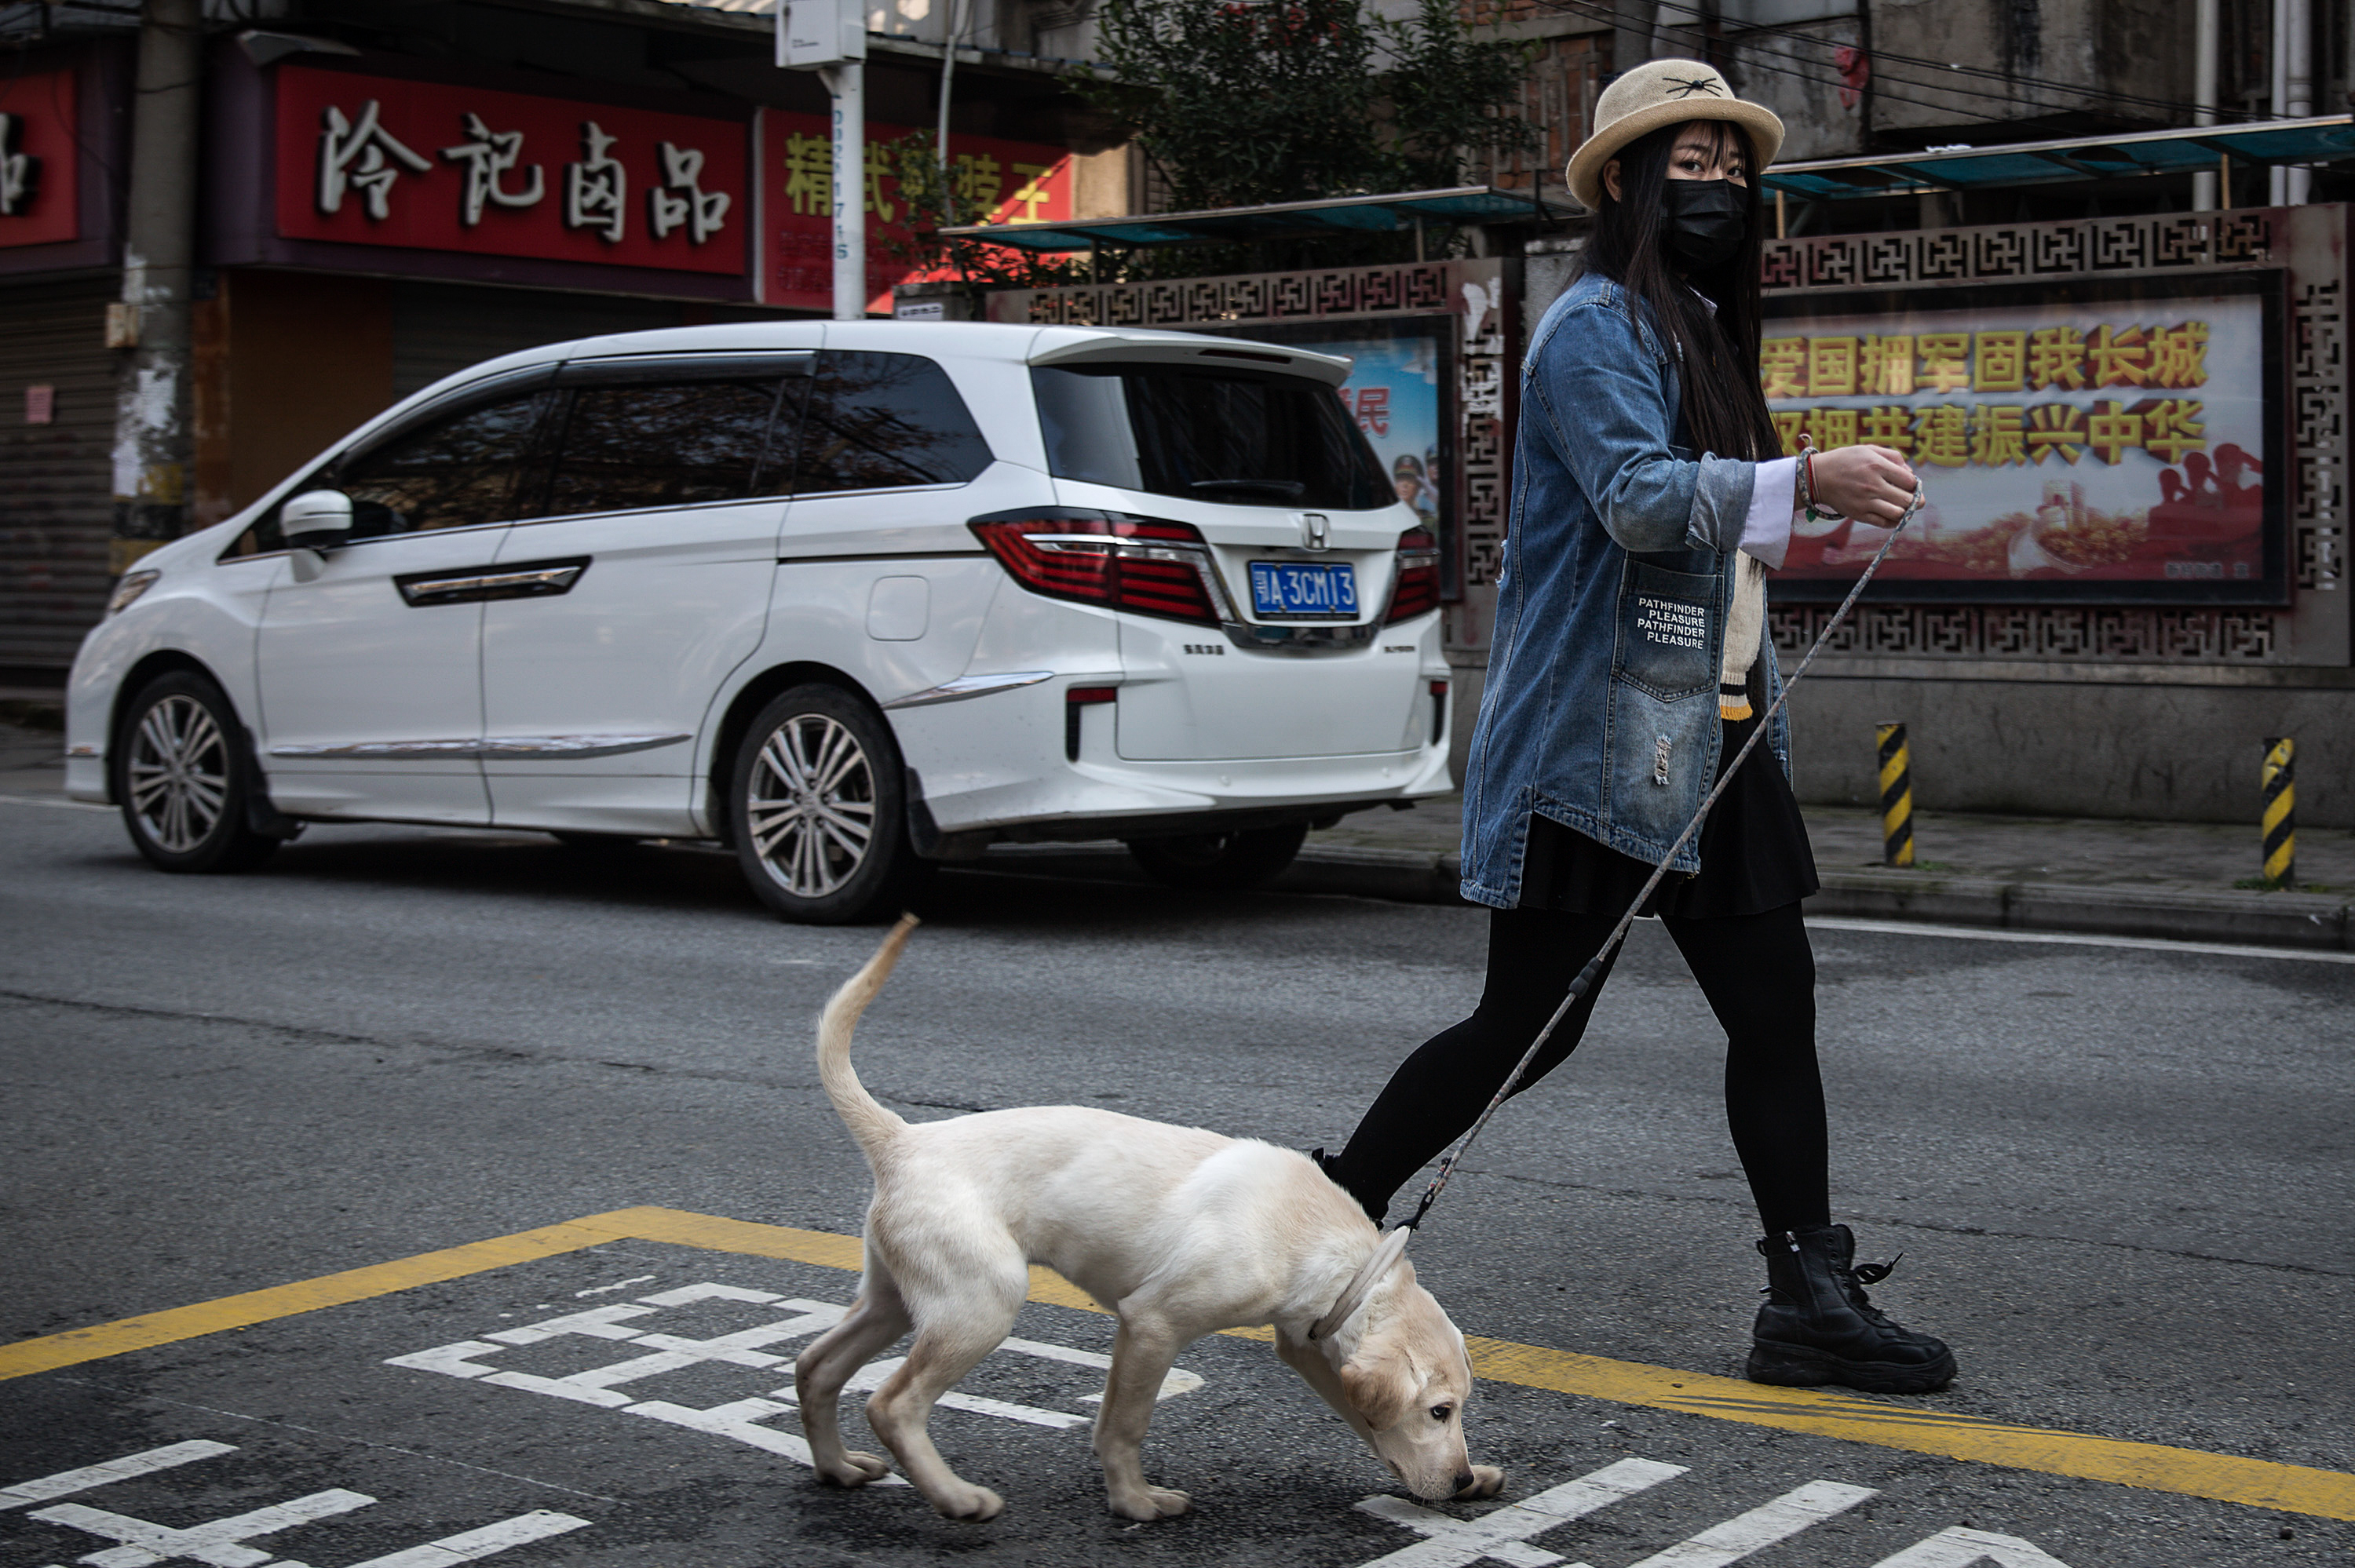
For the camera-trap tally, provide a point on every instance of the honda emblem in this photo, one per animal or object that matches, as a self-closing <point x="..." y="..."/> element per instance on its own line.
<point x="1312" y="531"/>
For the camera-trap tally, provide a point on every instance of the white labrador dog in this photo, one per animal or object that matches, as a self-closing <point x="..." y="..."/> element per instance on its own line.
<point x="1178" y="1231"/>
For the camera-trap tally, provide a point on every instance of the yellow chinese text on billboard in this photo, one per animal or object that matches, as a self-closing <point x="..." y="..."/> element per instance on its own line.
<point x="2089" y="443"/>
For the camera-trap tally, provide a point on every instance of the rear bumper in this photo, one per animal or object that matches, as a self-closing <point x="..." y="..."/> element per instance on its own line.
<point x="1093" y="798"/>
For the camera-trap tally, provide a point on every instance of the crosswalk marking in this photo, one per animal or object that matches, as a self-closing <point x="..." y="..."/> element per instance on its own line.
<point x="64" y="1483"/>
<point x="1963" y="1547"/>
<point x="1760" y="1528"/>
<point x="1503" y="1534"/>
<point x="223" y="1543"/>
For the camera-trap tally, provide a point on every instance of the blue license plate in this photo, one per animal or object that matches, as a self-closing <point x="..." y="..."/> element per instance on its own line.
<point x="1326" y="590"/>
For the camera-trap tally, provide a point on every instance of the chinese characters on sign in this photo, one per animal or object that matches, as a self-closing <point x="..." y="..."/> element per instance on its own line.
<point x="2085" y="443"/>
<point x="38" y="203"/>
<point x="993" y="182"/>
<point x="372" y="161"/>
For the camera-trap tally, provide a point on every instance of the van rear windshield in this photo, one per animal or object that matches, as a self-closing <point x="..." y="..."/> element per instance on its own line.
<point x="1212" y="435"/>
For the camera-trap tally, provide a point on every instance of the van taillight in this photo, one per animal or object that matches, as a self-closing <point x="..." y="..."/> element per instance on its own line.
<point x="1418" y="577"/>
<point x="1136" y="564"/>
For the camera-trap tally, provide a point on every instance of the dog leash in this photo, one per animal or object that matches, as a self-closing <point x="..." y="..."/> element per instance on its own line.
<point x="1393" y="1246"/>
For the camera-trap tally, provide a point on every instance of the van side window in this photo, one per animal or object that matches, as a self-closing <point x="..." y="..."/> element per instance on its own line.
<point x="681" y="444"/>
<point x="452" y="473"/>
<point x="881" y="420"/>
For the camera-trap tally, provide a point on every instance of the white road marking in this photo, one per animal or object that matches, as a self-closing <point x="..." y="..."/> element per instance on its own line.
<point x="1760" y="1528"/>
<point x="1504" y="1535"/>
<point x="740" y="1420"/>
<point x="468" y="1545"/>
<point x="1961" y="1547"/>
<point x="219" y="1544"/>
<point x="1180" y="1380"/>
<point x="64" y="1483"/>
<point x="2074" y="939"/>
<point x="617" y="1284"/>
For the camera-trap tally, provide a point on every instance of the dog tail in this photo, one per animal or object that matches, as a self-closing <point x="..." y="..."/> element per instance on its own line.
<point x="869" y="1123"/>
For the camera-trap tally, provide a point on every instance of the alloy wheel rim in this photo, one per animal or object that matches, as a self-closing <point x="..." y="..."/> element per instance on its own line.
<point x="811" y="805"/>
<point x="179" y="774"/>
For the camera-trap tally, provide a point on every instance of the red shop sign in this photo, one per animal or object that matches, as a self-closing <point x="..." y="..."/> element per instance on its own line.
<point x="38" y="203"/>
<point x="994" y="181"/>
<point x="374" y="161"/>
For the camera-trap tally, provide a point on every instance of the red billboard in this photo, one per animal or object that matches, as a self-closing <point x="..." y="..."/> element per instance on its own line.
<point x="993" y="182"/>
<point x="369" y="160"/>
<point x="38" y="203"/>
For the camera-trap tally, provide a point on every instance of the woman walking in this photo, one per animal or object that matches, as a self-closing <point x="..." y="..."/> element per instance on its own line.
<point x="1630" y="664"/>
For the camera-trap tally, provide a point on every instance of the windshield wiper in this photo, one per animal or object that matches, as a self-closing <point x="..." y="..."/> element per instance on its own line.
<point x="1287" y="489"/>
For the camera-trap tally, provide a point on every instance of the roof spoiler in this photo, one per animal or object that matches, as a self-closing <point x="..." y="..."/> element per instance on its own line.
<point x="1193" y="348"/>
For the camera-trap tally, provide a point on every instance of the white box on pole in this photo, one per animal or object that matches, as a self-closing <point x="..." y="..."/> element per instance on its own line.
<point x="812" y="33"/>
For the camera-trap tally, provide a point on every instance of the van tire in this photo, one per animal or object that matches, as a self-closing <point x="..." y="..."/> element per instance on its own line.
<point x="816" y="766"/>
<point x="1219" y="861"/>
<point x="181" y="777"/>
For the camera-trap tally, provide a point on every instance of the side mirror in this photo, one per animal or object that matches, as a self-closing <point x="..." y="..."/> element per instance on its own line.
<point x="316" y="520"/>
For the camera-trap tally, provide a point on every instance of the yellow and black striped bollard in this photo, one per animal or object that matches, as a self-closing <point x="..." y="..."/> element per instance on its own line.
<point x="2280" y="817"/>
<point x="1896" y="796"/>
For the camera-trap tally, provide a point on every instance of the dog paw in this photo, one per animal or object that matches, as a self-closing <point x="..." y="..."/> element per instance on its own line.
<point x="971" y="1503"/>
<point x="1486" y="1483"/>
<point x="1151" y="1503"/>
<point x="855" y="1469"/>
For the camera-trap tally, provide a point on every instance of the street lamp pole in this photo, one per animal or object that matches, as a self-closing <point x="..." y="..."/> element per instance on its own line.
<point x="829" y="36"/>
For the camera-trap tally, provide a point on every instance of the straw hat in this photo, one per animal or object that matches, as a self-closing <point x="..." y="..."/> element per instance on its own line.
<point x="1663" y="92"/>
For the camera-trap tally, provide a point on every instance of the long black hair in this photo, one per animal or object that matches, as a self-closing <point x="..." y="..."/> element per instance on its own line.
<point x="1724" y="410"/>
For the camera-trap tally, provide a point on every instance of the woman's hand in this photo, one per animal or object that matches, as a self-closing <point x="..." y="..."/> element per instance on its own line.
<point x="1872" y="484"/>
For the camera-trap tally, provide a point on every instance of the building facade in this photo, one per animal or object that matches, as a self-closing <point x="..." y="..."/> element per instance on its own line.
<point x="389" y="193"/>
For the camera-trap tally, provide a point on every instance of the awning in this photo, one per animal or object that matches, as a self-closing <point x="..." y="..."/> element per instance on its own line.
<point x="1463" y="207"/>
<point x="2327" y="140"/>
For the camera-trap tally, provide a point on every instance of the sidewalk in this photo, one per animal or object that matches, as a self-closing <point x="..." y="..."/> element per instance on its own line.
<point x="2171" y="880"/>
<point x="2043" y="874"/>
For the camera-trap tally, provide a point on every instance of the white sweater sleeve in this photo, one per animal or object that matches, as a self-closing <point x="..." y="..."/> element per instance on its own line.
<point x="1767" y="531"/>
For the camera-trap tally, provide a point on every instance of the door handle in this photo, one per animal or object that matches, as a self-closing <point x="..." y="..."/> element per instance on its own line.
<point x="524" y="579"/>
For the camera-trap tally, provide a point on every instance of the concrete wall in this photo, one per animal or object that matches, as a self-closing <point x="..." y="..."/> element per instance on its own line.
<point x="2114" y="740"/>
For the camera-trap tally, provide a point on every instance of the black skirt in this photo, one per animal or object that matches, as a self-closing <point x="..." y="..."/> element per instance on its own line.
<point x="1754" y="854"/>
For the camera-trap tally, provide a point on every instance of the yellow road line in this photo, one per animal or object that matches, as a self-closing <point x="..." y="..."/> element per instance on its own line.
<point x="2225" y="1478"/>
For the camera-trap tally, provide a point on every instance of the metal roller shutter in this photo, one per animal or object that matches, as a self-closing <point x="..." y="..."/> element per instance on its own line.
<point x="56" y="506"/>
<point x="439" y="329"/>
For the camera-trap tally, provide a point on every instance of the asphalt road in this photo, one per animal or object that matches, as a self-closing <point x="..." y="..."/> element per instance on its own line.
<point x="2118" y="1175"/>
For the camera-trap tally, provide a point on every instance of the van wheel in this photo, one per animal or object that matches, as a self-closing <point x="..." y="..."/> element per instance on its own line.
<point x="180" y="767"/>
<point x="1216" y="862"/>
<point x="817" y="810"/>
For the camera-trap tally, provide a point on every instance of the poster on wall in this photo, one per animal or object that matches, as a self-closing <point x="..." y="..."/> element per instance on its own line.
<point x="993" y="181"/>
<point x="2119" y="445"/>
<point x="1392" y="393"/>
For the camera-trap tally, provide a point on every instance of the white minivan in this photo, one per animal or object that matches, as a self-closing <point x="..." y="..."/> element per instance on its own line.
<point x="849" y="598"/>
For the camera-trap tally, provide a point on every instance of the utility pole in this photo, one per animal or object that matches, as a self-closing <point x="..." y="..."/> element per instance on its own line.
<point x="2204" y="53"/>
<point x="829" y="36"/>
<point x="154" y="418"/>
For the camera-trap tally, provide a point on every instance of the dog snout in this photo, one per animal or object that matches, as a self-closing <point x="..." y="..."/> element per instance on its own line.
<point x="1465" y="1481"/>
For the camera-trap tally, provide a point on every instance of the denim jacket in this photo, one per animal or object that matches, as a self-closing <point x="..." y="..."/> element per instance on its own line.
<point x="1600" y="709"/>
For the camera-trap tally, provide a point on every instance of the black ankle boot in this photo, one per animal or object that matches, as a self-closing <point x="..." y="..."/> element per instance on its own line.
<point x="1818" y="1326"/>
<point x="1331" y="1165"/>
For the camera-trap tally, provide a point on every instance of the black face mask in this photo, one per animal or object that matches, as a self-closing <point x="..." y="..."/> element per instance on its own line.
<point x="1707" y="222"/>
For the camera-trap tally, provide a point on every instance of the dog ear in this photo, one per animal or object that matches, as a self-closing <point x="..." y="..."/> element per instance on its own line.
<point x="1380" y="1385"/>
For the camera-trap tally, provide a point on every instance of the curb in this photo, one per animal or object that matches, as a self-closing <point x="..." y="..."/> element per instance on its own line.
<point x="2305" y="920"/>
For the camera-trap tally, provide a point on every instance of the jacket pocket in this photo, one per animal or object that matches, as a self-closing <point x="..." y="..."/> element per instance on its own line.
<point x="1664" y="632"/>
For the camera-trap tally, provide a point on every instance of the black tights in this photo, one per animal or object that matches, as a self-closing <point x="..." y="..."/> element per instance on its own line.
<point x="1758" y="976"/>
